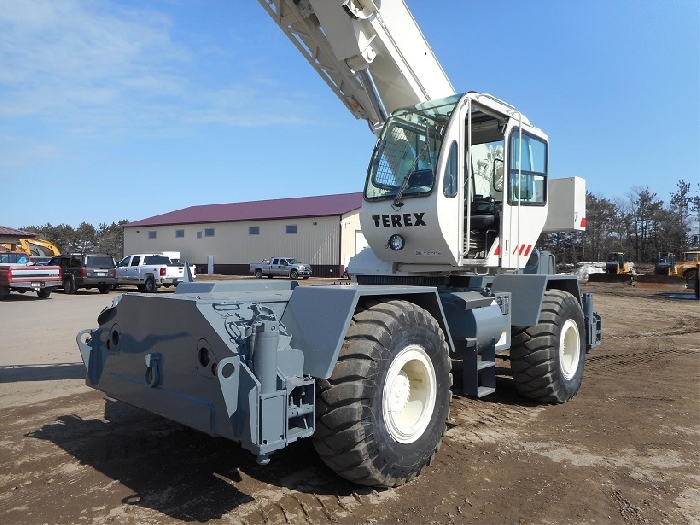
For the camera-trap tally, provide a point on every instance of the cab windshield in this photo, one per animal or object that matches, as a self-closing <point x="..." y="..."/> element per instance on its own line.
<point x="405" y="159"/>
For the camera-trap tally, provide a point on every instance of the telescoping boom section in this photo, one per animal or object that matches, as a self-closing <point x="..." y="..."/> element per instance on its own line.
<point x="371" y="54"/>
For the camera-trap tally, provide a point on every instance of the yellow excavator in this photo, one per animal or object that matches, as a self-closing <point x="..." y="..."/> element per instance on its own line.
<point x="34" y="247"/>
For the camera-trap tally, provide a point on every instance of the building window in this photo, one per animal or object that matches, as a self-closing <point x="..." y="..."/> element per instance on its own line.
<point x="254" y="230"/>
<point x="152" y="234"/>
<point x="290" y="228"/>
<point x="209" y="232"/>
<point x="199" y="235"/>
<point x="179" y="233"/>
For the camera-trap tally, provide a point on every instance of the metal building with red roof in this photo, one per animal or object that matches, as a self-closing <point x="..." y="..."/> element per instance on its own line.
<point x="323" y="231"/>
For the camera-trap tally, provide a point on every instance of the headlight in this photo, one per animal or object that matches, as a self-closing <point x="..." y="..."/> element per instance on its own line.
<point x="396" y="242"/>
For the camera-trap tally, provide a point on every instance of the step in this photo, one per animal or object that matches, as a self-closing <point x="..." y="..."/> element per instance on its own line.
<point x="485" y="391"/>
<point x="480" y="365"/>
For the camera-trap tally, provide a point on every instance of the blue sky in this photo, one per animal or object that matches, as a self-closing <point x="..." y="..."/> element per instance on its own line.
<point x="115" y="110"/>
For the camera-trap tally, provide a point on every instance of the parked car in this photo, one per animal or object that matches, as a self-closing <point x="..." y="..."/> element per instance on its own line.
<point x="148" y="271"/>
<point x="86" y="270"/>
<point x="19" y="274"/>
<point x="281" y="266"/>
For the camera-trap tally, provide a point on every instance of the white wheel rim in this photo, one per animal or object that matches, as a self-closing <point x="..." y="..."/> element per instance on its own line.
<point x="569" y="349"/>
<point x="408" y="398"/>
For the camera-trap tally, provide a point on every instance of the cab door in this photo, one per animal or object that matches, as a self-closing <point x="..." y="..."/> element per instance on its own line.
<point x="133" y="269"/>
<point x="450" y="187"/>
<point x="525" y="193"/>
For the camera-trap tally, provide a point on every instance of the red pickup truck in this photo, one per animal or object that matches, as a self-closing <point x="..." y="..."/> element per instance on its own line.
<point x="18" y="274"/>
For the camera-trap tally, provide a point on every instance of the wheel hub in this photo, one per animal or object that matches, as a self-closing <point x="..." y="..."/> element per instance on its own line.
<point x="399" y="393"/>
<point x="408" y="397"/>
<point x="569" y="349"/>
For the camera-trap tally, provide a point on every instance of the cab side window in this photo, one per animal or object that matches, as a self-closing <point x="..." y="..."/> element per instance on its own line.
<point x="527" y="178"/>
<point x="449" y="181"/>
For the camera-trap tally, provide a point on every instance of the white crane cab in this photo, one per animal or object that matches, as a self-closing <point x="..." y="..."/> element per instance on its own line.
<point x="460" y="184"/>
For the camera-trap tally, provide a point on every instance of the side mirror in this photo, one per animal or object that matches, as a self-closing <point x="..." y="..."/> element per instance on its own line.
<point x="497" y="175"/>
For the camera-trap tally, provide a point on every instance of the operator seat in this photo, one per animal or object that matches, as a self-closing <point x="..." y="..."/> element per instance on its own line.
<point x="483" y="213"/>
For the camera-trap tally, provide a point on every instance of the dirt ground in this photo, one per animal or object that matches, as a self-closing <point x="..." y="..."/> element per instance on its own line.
<point x="625" y="450"/>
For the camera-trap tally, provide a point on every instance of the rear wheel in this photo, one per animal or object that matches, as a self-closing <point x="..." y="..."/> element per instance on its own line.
<point x="44" y="294"/>
<point x="4" y="292"/>
<point x="547" y="359"/>
<point x="150" y="285"/>
<point x="258" y="273"/>
<point x="382" y="414"/>
<point x="69" y="285"/>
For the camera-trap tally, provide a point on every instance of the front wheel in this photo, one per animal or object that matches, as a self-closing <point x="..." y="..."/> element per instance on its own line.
<point x="293" y="274"/>
<point x="382" y="413"/>
<point x="547" y="359"/>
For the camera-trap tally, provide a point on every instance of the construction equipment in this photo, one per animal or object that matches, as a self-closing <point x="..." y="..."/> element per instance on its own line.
<point x="684" y="266"/>
<point x="687" y="265"/>
<point x="616" y="264"/>
<point x="456" y="195"/>
<point x="665" y="264"/>
<point x="35" y="247"/>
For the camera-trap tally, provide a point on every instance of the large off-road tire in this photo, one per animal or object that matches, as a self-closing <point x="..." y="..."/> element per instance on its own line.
<point x="69" y="286"/>
<point x="547" y="359"/>
<point x="150" y="285"/>
<point x="382" y="413"/>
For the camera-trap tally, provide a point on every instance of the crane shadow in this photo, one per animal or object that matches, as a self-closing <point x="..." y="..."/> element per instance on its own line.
<point x="180" y="472"/>
<point x="48" y="372"/>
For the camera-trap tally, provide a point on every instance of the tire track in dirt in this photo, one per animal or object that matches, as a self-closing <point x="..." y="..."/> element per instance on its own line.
<point x="477" y="422"/>
<point x="646" y="335"/>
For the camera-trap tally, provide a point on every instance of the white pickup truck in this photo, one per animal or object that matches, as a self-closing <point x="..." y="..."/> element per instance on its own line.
<point x="281" y="266"/>
<point x="148" y="271"/>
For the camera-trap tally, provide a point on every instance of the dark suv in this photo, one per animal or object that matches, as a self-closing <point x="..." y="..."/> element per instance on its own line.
<point x="86" y="270"/>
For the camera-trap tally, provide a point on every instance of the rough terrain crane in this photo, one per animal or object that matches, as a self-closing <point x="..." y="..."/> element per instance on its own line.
<point x="456" y="194"/>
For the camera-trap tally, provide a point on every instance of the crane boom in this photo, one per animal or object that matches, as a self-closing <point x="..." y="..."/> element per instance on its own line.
<point x="375" y="60"/>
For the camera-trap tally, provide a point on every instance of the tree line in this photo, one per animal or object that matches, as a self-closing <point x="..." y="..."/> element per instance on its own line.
<point x="641" y="225"/>
<point x="85" y="238"/>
